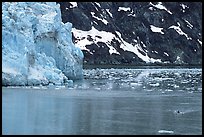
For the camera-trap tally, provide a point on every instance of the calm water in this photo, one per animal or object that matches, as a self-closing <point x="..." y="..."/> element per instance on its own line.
<point x="109" y="101"/>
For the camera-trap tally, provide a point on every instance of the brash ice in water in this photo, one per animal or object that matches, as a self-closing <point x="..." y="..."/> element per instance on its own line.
<point x="147" y="79"/>
<point x="109" y="101"/>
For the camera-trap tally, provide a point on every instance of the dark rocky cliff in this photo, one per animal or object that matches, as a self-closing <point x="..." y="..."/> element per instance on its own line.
<point x="137" y="32"/>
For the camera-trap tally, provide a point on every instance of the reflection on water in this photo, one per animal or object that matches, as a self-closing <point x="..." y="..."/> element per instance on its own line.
<point x="132" y="109"/>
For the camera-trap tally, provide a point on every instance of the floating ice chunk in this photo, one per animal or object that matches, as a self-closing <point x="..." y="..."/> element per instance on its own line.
<point x="162" y="79"/>
<point x="200" y="89"/>
<point x="177" y="112"/>
<point x="98" y="88"/>
<point x="51" y="85"/>
<point x="69" y="83"/>
<point x="176" y="86"/>
<point x="177" y="74"/>
<point x="154" y="85"/>
<point x="60" y="87"/>
<point x="35" y="87"/>
<point x="166" y="131"/>
<point x="135" y="84"/>
<point x="168" y="90"/>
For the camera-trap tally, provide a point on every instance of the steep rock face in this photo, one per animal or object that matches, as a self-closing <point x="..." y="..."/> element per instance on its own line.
<point x="37" y="46"/>
<point x="136" y="32"/>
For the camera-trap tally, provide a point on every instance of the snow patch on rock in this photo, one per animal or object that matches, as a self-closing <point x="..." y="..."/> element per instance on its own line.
<point x="179" y="31"/>
<point x="156" y="29"/>
<point x="161" y="7"/>
<point x="124" y="9"/>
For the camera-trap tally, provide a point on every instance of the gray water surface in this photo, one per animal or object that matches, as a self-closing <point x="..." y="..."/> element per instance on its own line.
<point x="109" y="101"/>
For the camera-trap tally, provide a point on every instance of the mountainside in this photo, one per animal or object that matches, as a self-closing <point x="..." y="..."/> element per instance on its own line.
<point x="136" y="32"/>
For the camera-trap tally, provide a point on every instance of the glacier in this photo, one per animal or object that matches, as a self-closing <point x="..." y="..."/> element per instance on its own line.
<point x="37" y="47"/>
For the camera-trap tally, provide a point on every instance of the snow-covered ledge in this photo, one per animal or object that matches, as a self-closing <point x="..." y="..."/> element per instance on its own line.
<point x="37" y="46"/>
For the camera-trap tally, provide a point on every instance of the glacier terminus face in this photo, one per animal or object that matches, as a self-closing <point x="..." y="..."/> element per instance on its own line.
<point x="37" y="47"/>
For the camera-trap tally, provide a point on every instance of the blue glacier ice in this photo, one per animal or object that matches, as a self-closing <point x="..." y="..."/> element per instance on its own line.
<point x="37" y="46"/>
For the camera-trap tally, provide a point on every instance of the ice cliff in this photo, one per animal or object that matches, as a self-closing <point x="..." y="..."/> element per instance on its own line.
<point x="37" y="47"/>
